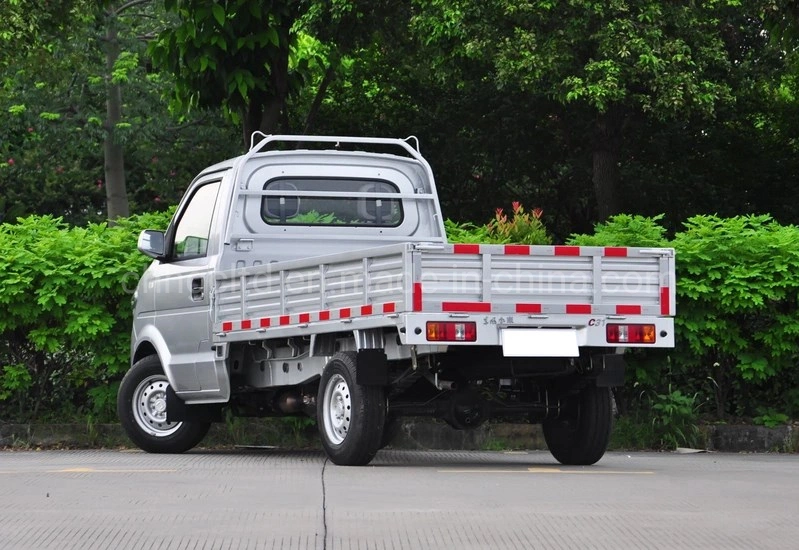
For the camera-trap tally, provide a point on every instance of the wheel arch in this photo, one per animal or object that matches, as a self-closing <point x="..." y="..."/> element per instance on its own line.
<point x="150" y="341"/>
<point x="144" y="349"/>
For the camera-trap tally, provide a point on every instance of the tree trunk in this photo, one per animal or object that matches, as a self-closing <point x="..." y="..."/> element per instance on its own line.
<point x="252" y="116"/>
<point x="330" y="74"/>
<point x="263" y="114"/>
<point x="115" y="186"/>
<point x="279" y="82"/>
<point x="607" y="153"/>
<point x="267" y="111"/>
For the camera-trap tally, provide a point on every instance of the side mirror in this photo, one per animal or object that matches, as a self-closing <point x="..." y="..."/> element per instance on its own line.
<point x="151" y="243"/>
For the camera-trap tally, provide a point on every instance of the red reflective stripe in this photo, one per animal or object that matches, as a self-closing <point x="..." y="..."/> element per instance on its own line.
<point x="528" y="308"/>
<point x="265" y="322"/>
<point x="466" y="249"/>
<point x="578" y="308"/>
<point x="246" y="324"/>
<point x="665" y="301"/>
<point x="344" y="312"/>
<point x="389" y="307"/>
<point x="305" y="317"/>
<point x="567" y="251"/>
<point x="417" y="296"/>
<point x="481" y="307"/>
<point x="518" y="249"/>
<point x="324" y="315"/>
<point x="616" y="251"/>
<point x="366" y="310"/>
<point x="628" y="310"/>
<point x="227" y="326"/>
<point x="285" y="319"/>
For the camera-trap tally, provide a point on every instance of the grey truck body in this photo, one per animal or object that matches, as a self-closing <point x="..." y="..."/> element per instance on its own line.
<point x="278" y="259"/>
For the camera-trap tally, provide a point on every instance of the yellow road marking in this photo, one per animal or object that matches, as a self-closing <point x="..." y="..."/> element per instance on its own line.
<point x="103" y="471"/>
<point x="84" y="471"/>
<point x="547" y="471"/>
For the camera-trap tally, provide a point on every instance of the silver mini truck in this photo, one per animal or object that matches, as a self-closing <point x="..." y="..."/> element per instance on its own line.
<point x="312" y="276"/>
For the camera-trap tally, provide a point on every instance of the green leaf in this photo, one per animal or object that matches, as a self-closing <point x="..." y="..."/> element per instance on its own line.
<point x="219" y="14"/>
<point x="272" y="36"/>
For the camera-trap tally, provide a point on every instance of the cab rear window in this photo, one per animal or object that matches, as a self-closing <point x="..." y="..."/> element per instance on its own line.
<point x="332" y="202"/>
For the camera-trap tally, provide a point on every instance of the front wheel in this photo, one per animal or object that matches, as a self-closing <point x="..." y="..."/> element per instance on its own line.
<point x="350" y="416"/>
<point x="141" y="407"/>
<point x="580" y="435"/>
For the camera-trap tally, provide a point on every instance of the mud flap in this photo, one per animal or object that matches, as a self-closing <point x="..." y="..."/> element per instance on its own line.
<point x="178" y="411"/>
<point x="371" y="368"/>
<point x="609" y="369"/>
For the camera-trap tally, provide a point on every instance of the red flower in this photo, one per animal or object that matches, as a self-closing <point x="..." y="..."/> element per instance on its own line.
<point x="537" y="213"/>
<point x="516" y="206"/>
<point x="11" y="162"/>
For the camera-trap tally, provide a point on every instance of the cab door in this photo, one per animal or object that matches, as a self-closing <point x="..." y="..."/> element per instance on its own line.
<point x="183" y="287"/>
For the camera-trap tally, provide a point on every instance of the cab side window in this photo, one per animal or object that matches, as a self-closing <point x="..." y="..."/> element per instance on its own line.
<point x="194" y="226"/>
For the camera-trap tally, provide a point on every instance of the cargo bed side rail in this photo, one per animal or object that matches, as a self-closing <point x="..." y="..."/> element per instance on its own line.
<point x="302" y="294"/>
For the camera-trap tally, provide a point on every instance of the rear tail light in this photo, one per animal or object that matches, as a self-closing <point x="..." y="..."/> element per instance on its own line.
<point x="631" y="334"/>
<point x="451" y="332"/>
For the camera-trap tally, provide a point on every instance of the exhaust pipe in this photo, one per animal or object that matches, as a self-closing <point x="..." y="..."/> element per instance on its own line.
<point x="290" y="402"/>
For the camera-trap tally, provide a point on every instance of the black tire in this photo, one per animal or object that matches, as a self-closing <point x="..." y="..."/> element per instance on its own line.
<point x="141" y="407"/>
<point x="350" y="417"/>
<point x="580" y="435"/>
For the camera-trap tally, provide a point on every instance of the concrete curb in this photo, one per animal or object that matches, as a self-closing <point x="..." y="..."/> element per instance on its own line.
<point x="413" y="434"/>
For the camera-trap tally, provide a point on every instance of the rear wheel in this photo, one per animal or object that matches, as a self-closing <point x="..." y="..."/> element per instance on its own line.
<point x="350" y="416"/>
<point x="580" y="435"/>
<point x="141" y="407"/>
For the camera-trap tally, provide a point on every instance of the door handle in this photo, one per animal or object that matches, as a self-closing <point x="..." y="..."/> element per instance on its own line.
<point x="197" y="289"/>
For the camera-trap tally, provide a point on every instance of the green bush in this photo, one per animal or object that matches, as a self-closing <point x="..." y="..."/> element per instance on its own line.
<point x="674" y="417"/>
<point x="465" y="232"/>
<point x="737" y="324"/>
<point x="625" y="230"/>
<point x="738" y="305"/>
<point x="65" y="292"/>
<point x="520" y="227"/>
<point x="770" y="418"/>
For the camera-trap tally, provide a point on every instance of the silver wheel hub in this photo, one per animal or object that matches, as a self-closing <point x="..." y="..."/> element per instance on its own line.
<point x="337" y="409"/>
<point x="149" y="407"/>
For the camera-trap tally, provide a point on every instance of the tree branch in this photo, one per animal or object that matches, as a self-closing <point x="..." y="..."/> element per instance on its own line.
<point x="131" y="4"/>
<point x="182" y="127"/>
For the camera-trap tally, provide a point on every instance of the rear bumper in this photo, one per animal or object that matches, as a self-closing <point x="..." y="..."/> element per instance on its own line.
<point x="589" y="331"/>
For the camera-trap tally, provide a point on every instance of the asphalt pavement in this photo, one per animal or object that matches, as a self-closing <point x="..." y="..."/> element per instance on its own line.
<point x="277" y="499"/>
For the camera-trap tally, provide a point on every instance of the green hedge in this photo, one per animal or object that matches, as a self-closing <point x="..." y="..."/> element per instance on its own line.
<point x="737" y="323"/>
<point x="65" y="325"/>
<point x="65" y="328"/>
